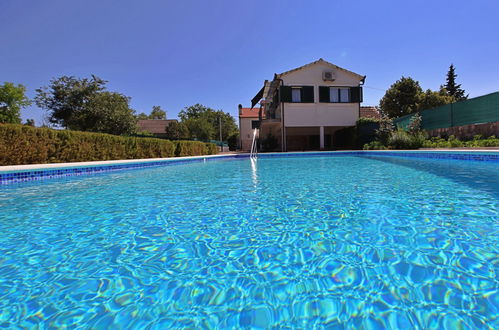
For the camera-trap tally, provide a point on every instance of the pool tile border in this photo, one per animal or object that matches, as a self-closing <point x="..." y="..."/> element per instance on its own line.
<point x="40" y="173"/>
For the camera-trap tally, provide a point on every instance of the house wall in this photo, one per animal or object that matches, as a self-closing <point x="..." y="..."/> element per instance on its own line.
<point x="320" y="114"/>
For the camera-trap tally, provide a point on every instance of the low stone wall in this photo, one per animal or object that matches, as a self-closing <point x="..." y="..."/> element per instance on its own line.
<point x="468" y="131"/>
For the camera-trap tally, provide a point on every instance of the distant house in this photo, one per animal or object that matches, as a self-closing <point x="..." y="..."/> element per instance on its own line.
<point x="155" y="126"/>
<point x="303" y="108"/>
<point x="370" y="112"/>
<point x="249" y="119"/>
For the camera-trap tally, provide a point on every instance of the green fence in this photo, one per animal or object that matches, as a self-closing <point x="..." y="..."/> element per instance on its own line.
<point x="478" y="110"/>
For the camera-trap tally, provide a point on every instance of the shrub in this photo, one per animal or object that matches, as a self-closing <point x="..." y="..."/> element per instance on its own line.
<point x="403" y="140"/>
<point x="385" y="130"/>
<point x="453" y="142"/>
<point x="414" y="126"/>
<point x="21" y="144"/>
<point x="374" y="145"/>
<point x="367" y="120"/>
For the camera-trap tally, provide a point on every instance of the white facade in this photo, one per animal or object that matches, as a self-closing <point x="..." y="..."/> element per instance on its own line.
<point x="317" y="113"/>
<point x="306" y="107"/>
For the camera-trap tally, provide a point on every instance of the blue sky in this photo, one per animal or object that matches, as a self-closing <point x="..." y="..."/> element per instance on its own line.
<point x="178" y="53"/>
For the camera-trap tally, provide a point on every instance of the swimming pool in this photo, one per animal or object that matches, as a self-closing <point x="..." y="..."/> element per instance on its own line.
<point x="312" y="241"/>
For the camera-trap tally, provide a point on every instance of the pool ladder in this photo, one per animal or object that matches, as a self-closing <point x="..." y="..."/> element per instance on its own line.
<point x="254" y="149"/>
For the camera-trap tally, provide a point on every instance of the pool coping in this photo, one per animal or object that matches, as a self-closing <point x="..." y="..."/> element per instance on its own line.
<point x="27" y="167"/>
<point x="35" y="172"/>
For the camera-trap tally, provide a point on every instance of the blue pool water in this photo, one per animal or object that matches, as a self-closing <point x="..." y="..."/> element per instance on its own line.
<point x="355" y="242"/>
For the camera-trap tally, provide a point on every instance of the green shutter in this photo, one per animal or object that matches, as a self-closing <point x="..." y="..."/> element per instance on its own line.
<point x="285" y="92"/>
<point x="324" y="94"/>
<point x="307" y="94"/>
<point x="355" y="94"/>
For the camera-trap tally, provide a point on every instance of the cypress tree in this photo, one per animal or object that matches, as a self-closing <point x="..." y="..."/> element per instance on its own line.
<point x="452" y="88"/>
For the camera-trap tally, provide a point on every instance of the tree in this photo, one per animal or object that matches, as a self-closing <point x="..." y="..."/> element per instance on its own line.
<point x="66" y="97"/>
<point x="30" y="122"/>
<point x="12" y="100"/>
<point x="204" y="121"/>
<point x="402" y="98"/>
<point x="177" y="131"/>
<point x="142" y="116"/>
<point x="452" y="88"/>
<point x="431" y="99"/>
<point x="108" y="112"/>
<point x="157" y="113"/>
<point x="85" y="105"/>
<point x="200" y="129"/>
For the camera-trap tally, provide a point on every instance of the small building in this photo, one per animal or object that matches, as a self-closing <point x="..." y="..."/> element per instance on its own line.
<point x="249" y="119"/>
<point x="303" y="108"/>
<point x="155" y="126"/>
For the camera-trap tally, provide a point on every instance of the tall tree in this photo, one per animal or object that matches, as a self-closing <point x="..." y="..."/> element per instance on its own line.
<point x="108" y="112"/>
<point x="12" y="100"/>
<point x="157" y="113"/>
<point x="66" y="97"/>
<point x="402" y="98"/>
<point x="86" y="105"/>
<point x="452" y="88"/>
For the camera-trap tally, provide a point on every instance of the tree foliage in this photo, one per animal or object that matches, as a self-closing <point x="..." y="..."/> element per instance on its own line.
<point x="12" y="100"/>
<point x="452" y="88"/>
<point x="86" y="105"/>
<point x="108" y="112"/>
<point x="200" y="129"/>
<point x="30" y="122"/>
<point x="142" y="116"/>
<point x="401" y="98"/>
<point x="406" y="96"/>
<point x="177" y="131"/>
<point x="431" y="99"/>
<point x="157" y="113"/>
<point x="203" y="122"/>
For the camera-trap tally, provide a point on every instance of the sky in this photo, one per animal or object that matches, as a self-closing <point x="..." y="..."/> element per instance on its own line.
<point x="218" y="53"/>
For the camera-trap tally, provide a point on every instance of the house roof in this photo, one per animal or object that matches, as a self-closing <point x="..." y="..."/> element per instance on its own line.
<point x="320" y="60"/>
<point x="370" y="112"/>
<point x="248" y="112"/>
<point x="155" y="126"/>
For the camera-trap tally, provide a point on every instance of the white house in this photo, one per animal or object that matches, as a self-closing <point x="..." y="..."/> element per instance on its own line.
<point x="301" y="109"/>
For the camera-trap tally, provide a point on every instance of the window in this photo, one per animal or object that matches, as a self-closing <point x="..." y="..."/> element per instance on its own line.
<point x="345" y="95"/>
<point x="255" y="124"/>
<point x="334" y="95"/>
<point x="295" y="94"/>
<point x="340" y="94"/>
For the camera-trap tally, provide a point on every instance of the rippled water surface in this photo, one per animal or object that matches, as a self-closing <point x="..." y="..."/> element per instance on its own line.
<point x="301" y="242"/>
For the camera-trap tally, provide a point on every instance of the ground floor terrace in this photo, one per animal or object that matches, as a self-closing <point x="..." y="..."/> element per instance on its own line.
<point x="274" y="138"/>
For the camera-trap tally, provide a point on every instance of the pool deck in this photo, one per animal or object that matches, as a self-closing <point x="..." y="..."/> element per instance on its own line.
<point x="31" y="167"/>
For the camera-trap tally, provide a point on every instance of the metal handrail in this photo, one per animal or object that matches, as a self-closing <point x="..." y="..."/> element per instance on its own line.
<point x="254" y="149"/>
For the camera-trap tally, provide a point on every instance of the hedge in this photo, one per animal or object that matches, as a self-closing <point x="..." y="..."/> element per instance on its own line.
<point x="194" y="148"/>
<point x="21" y="144"/>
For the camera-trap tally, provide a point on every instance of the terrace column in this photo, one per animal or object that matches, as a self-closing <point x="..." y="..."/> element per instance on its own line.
<point x="321" y="134"/>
